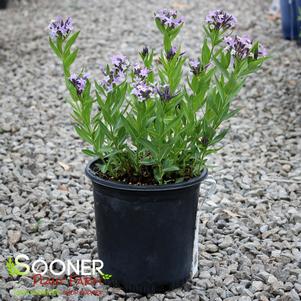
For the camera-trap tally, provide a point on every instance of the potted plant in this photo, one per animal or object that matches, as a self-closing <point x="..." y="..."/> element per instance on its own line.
<point x="289" y="17"/>
<point x="151" y="127"/>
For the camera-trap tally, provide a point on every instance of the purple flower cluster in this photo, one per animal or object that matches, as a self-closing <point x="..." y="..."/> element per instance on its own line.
<point x="195" y="66"/>
<point x="141" y="89"/>
<point x="221" y="19"/>
<point x="239" y="46"/>
<point x="144" y="52"/>
<point x="117" y="74"/>
<point x="140" y="72"/>
<point x="165" y="93"/>
<point x="120" y="62"/>
<point x="79" y="82"/>
<point x="60" y="28"/>
<point x="169" y="18"/>
<point x="262" y="51"/>
<point x="171" y="53"/>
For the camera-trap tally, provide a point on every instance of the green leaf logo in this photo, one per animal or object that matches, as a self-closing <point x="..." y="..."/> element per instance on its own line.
<point x="11" y="268"/>
<point x="105" y="276"/>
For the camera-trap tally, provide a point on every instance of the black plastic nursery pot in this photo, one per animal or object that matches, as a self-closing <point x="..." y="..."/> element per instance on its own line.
<point x="290" y="13"/>
<point x="3" y="4"/>
<point x="146" y="234"/>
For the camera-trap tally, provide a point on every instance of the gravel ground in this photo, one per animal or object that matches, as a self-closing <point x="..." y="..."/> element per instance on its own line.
<point x="250" y="229"/>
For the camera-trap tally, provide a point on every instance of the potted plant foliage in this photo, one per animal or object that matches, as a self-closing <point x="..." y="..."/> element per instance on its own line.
<point x="151" y="127"/>
<point x="289" y="17"/>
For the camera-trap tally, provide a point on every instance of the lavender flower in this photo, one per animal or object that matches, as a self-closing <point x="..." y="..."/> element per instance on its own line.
<point x="60" y="28"/>
<point x="117" y="74"/>
<point x="262" y="51"/>
<point x="120" y="62"/>
<point x="239" y="46"/>
<point x="169" y="18"/>
<point x="220" y="19"/>
<point x="111" y="78"/>
<point x="142" y="90"/>
<point x="144" y="52"/>
<point x="195" y="66"/>
<point x="165" y="93"/>
<point x="171" y="53"/>
<point x="119" y="78"/>
<point x="79" y="82"/>
<point x="141" y="72"/>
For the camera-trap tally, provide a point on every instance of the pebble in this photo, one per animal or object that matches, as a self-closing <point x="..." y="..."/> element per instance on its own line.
<point x="229" y="280"/>
<point x="204" y="275"/>
<point x="298" y="287"/>
<point x="257" y="286"/>
<point x="226" y="243"/>
<point x="13" y="236"/>
<point x="294" y="295"/>
<point x="244" y="298"/>
<point x="276" y="253"/>
<point x="211" y="248"/>
<point x="286" y="167"/>
<point x="264" y="228"/>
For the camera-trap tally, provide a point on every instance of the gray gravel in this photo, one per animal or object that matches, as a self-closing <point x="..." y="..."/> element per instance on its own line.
<point x="250" y="231"/>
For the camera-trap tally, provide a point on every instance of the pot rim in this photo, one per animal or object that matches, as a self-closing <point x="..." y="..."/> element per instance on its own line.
<point x="130" y="187"/>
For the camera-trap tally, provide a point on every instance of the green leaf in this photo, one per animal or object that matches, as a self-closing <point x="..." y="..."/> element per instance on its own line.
<point x="221" y="67"/>
<point x="173" y="124"/>
<point x="219" y="137"/>
<point x="158" y="175"/>
<point x="231" y="114"/>
<point x="102" y="167"/>
<point x="225" y="59"/>
<point x="70" y="42"/>
<point x="149" y="146"/>
<point x="83" y="134"/>
<point x="55" y="50"/>
<point x="88" y="152"/>
<point x="179" y="180"/>
<point x="86" y="92"/>
<point x="206" y="54"/>
<point x="171" y="168"/>
<point x="130" y="127"/>
<point x="70" y="59"/>
<point x="147" y="162"/>
<point x="159" y="25"/>
<point x="105" y="130"/>
<point x="59" y="44"/>
<point x="72" y="89"/>
<point x="175" y="31"/>
<point x="167" y="42"/>
<point x="221" y="89"/>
